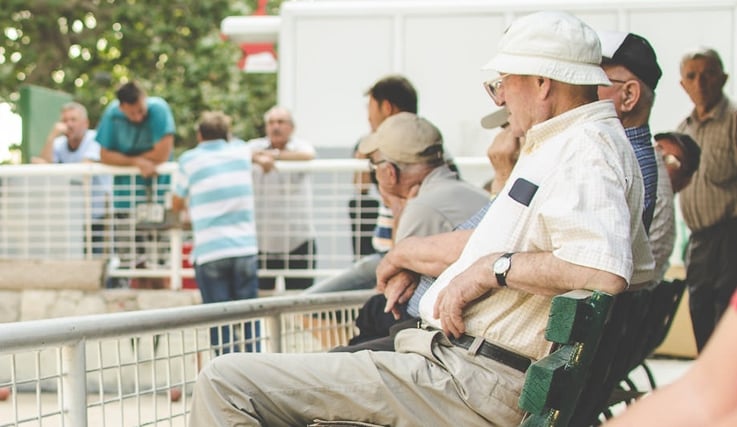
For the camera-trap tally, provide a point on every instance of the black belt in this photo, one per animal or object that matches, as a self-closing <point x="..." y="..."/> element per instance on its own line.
<point x="494" y="352"/>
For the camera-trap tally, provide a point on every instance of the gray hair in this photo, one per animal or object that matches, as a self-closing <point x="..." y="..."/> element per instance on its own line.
<point x="74" y="106"/>
<point x="703" y="53"/>
<point x="278" y="108"/>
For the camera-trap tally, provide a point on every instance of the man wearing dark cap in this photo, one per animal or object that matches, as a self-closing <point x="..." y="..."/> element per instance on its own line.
<point x="709" y="203"/>
<point x="632" y="66"/>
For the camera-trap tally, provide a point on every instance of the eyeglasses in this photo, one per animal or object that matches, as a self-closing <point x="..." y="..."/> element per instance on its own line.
<point x="494" y="87"/>
<point x="618" y="81"/>
<point x="375" y="165"/>
<point x="672" y="161"/>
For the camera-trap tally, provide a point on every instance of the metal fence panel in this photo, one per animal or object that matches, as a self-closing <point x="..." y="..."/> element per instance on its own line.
<point x="138" y="368"/>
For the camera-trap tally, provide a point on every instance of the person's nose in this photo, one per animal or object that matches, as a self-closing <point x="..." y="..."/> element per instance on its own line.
<point x="500" y="100"/>
<point x="702" y="81"/>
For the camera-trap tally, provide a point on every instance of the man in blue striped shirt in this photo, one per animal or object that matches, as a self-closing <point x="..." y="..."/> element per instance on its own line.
<point x="214" y="182"/>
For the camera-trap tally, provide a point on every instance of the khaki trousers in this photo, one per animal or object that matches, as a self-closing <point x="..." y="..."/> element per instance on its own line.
<point x="426" y="382"/>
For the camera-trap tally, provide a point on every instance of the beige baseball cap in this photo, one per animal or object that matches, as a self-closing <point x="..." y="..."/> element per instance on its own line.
<point x="405" y="138"/>
<point x="496" y="119"/>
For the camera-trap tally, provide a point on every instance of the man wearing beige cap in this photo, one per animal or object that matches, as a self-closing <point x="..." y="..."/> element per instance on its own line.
<point x="569" y="217"/>
<point x="407" y="157"/>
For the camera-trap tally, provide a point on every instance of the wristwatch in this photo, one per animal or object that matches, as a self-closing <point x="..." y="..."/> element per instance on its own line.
<point x="501" y="267"/>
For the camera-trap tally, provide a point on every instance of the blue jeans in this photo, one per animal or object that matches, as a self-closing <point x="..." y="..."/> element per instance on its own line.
<point x="229" y="279"/>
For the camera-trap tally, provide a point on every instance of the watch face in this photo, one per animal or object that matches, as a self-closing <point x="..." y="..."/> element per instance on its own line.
<point x="502" y="265"/>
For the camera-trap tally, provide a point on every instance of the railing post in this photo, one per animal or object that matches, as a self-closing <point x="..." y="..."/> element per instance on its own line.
<point x="175" y="257"/>
<point x="87" y="192"/>
<point x="273" y="328"/>
<point x="74" y="383"/>
<point x="280" y="284"/>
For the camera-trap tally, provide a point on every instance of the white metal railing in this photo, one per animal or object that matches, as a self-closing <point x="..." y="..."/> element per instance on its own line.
<point x="138" y="368"/>
<point x="62" y="211"/>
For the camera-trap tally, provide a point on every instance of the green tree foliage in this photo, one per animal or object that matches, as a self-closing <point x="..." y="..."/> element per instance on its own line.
<point x="174" y="48"/>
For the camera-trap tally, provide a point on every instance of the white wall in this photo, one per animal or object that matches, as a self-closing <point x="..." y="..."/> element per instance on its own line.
<point x="330" y="52"/>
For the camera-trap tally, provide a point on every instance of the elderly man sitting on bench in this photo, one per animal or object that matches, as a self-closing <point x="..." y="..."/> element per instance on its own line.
<point x="569" y="217"/>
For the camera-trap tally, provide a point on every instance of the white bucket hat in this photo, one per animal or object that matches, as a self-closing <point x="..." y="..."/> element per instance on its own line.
<point x="556" y="45"/>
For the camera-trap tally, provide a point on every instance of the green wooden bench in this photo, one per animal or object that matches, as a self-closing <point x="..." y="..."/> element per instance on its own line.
<point x="553" y="384"/>
<point x="600" y="339"/>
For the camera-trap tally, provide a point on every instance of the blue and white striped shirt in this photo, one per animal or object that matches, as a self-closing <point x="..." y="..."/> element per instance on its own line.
<point x="216" y="179"/>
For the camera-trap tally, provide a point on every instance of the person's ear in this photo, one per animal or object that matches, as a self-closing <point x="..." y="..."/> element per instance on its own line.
<point x="387" y="108"/>
<point x="544" y="86"/>
<point x="393" y="172"/>
<point x="725" y="76"/>
<point x="630" y="93"/>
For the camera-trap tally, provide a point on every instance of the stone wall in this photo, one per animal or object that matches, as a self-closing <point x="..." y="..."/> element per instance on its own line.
<point x="44" y="289"/>
<point x="34" y="304"/>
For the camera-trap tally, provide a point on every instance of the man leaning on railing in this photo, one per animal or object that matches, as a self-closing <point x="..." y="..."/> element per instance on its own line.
<point x="136" y="130"/>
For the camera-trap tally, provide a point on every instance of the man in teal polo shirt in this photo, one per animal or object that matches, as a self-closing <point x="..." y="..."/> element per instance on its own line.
<point x="136" y="130"/>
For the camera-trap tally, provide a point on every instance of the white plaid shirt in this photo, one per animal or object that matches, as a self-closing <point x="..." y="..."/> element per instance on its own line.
<point x="587" y="210"/>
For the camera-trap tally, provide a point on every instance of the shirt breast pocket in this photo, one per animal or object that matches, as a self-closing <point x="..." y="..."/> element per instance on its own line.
<point x="718" y="163"/>
<point x="523" y="191"/>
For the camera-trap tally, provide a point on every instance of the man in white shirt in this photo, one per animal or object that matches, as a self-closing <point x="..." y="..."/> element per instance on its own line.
<point x="286" y="233"/>
<point x="72" y="141"/>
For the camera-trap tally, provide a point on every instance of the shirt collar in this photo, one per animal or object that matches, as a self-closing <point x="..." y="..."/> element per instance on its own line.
<point x="639" y="135"/>
<point x="553" y="127"/>
<point x="716" y="113"/>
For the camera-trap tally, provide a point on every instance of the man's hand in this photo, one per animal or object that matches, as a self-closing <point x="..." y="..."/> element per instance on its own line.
<point x="396" y="283"/>
<point x="399" y="290"/>
<point x="465" y="288"/>
<point x="263" y="159"/>
<point x="397" y="203"/>
<point x="59" y="129"/>
<point x="386" y="270"/>
<point x="503" y="154"/>
<point x="147" y="167"/>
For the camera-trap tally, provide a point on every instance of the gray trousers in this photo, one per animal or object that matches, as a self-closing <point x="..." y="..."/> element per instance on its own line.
<point x="711" y="276"/>
<point x="428" y="381"/>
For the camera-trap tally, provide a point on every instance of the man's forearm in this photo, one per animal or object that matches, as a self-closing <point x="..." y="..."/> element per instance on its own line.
<point x="430" y="255"/>
<point x="47" y="152"/>
<point x="161" y="152"/>
<point x="115" y="158"/>
<point x="542" y="273"/>
<point x="289" y="155"/>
